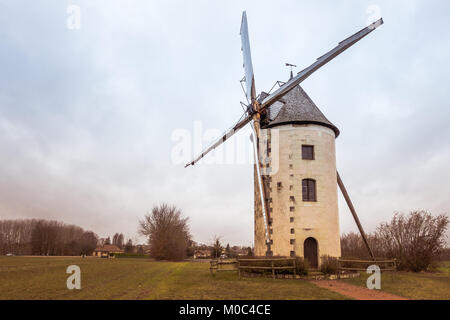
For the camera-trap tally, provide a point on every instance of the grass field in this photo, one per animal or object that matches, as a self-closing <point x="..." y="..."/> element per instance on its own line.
<point x="425" y="285"/>
<point x="45" y="278"/>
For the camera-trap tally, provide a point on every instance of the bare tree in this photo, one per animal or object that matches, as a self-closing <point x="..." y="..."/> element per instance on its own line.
<point x="88" y="242"/>
<point x="114" y="240"/>
<point x="129" y="248"/>
<point x="217" y="248"/>
<point x="120" y="240"/>
<point x="43" y="237"/>
<point x="414" y="240"/>
<point x="167" y="231"/>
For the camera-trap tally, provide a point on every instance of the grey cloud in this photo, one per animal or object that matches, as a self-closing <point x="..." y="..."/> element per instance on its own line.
<point x="86" y="116"/>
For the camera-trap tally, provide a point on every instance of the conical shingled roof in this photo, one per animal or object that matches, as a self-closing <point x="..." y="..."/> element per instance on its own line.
<point x="296" y="107"/>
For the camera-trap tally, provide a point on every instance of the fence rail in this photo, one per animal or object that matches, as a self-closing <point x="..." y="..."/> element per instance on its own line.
<point x="272" y="266"/>
<point x="361" y="265"/>
<point x="216" y="265"/>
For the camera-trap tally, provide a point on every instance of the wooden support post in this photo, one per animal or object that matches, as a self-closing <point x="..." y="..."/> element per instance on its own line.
<point x="295" y="269"/>
<point x="239" y="269"/>
<point x="262" y="187"/>
<point x="353" y="211"/>
<point x="339" y="268"/>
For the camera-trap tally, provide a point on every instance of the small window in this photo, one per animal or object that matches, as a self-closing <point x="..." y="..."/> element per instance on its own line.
<point x="292" y="254"/>
<point x="291" y="209"/>
<point x="309" y="190"/>
<point x="292" y="231"/>
<point x="291" y="219"/>
<point x="279" y="185"/>
<point x="307" y="152"/>
<point x="292" y="241"/>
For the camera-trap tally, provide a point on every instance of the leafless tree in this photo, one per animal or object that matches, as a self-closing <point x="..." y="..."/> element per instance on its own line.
<point x="167" y="232"/>
<point x="129" y="248"/>
<point x="43" y="237"/>
<point x="120" y="241"/>
<point x="216" y="248"/>
<point x="414" y="240"/>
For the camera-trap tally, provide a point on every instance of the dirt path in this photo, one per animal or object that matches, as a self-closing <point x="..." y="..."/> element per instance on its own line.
<point x="356" y="292"/>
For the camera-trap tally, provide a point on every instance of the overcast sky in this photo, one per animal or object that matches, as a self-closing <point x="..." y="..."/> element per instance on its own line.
<point x="89" y="116"/>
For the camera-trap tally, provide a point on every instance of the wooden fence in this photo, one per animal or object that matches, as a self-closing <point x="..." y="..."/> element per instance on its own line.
<point x="361" y="265"/>
<point x="218" y="265"/>
<point x="272" y="265"/>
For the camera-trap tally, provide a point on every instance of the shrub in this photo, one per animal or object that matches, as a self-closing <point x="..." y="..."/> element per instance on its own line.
<point x="302" y="266"/>
<point x="415" y="240"/>
<point x="329" y="265"/>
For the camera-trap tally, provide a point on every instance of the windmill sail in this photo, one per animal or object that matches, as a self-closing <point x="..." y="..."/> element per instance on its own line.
<point x="221" y="140"/>
<point x="248" y="66"/>
<point x="288" y="86"/>
<point x="305" y="73"/>
<point x="250" y="90"/>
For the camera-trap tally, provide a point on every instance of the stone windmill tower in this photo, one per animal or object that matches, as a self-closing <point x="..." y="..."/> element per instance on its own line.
<point x="296" y="209"/>
<point x="300" y="181"/>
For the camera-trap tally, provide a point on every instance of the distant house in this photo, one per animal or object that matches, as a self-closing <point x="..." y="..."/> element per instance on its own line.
<point x="146" y="249"/>
<point x="202" y="254"/>
<point x="106" y="251"/>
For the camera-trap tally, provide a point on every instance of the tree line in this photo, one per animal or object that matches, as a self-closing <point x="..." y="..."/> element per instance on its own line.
<point x="45" y="237"/>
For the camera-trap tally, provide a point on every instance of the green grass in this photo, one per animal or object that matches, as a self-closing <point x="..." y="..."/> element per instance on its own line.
<point x="423" y="285"/>
<point x="45" y="278"/>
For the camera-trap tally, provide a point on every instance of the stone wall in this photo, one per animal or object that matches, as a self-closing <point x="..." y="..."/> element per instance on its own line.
<point x="319" y="219"/>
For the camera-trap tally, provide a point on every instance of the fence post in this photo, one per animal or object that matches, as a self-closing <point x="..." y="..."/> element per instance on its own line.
<point x="338" y="268"/>
<point x="273" y="271"/>
<point x="239" y="269"/>
<point x="295" y="269"/>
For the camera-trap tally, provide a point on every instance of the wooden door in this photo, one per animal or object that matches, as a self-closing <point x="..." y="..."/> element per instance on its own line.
<point x="310" y="252"/>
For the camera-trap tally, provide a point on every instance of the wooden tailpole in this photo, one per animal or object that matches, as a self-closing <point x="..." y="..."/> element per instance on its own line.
<point x="261" y="184"/>
<point x="355" y="216"/>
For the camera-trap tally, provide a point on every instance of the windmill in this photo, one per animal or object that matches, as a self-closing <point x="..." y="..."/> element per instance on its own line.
<point x="306" y="162"/>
